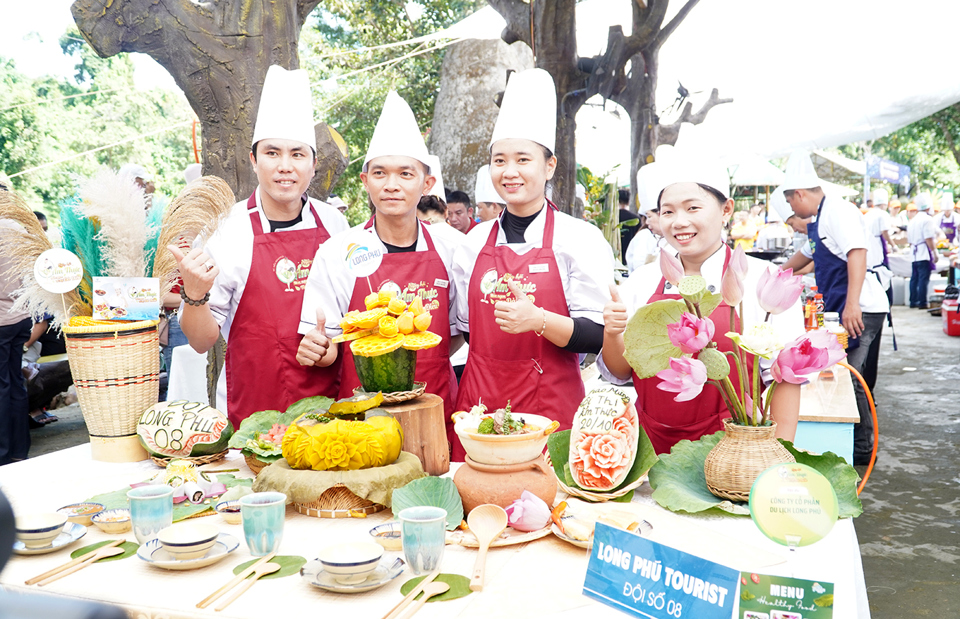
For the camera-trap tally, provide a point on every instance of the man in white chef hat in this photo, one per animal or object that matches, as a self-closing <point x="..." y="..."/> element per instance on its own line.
<point x="417" y="262"/>
<point x="838" y="249"/>
<point x="247" y="281"/>
<point x="489" y="202"/>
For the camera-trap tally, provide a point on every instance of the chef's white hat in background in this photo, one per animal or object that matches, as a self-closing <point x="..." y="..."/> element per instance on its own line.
<point x="192" y="172"/>
<point x="397" y="133"/>
<point x="647" y="184"/>
<point x="337" y="203"/>
<point x="800" y="173"/>
<point x="483" y="190"/>
<point x="529" y="109"/>
<point x="880" y="196"/>
<point x="778" y="202"/>
<point x="286" y="108"/>
<point x="133" y="171"/>
<point x="581" y="192"/>
<point x="436" y="172"/>
<point x="923" y="201"/>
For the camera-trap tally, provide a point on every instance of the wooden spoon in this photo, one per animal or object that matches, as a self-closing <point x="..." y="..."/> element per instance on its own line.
<point x="88" y="559"/>
<point x="486" y="522"/>
<point x="434" y="588"/>
<point x="262" y="570"/>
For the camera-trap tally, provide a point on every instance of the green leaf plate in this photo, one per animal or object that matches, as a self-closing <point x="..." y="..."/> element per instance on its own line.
<point x="459" y="587"/>
<point x="289" y="565"/>
<point x="118" y="499"/>
<point x="129" y="549"/>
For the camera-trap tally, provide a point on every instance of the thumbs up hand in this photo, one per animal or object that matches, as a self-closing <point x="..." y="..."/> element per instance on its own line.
<point x="314" y="345"/>
<point x="518" y="316"/>
<point x="614" y="313"/>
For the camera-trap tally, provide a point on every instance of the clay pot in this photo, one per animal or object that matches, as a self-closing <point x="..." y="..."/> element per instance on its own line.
<point x="741" y="455"/>
<point x="502" y="484"/>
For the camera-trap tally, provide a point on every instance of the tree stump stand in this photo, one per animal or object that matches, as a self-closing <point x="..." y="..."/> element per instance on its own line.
<point x="424" y="431"/>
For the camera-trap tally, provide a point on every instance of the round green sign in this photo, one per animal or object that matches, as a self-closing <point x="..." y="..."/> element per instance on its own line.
<point x="793" y="504"/>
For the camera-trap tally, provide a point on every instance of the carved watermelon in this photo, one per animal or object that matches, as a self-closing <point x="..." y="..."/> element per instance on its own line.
<point x="183" y="429"/>
<point x="603" y="440"/>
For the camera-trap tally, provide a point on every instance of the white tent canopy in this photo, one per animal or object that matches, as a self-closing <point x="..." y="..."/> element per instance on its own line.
<point x="787" y="68"/>
<point x="755" y="171"/>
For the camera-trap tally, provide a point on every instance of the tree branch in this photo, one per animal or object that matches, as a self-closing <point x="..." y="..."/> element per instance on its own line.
<point x="517" y="15"/>
<point x="667" y="30"/>
<point x="647" y="18"/>
<point x="304" y="8"/>
<point x="670" y="133"/>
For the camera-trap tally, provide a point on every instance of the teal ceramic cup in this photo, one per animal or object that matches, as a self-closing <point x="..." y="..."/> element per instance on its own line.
<point x="262" y="514"/>
<point x="423" y="534"/>
<point x="151" y="510"/>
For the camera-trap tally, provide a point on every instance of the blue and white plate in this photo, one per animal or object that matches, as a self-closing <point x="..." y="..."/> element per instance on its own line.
<point x="314" y="574"/>
<point x="155" y="554"/>
<point x="71" y="533"/>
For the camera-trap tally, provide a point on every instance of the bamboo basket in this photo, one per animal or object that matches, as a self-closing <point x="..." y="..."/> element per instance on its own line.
<point x="741" y="455"/>
<point x="116" y="369"/>
<point x="338" y="502"/>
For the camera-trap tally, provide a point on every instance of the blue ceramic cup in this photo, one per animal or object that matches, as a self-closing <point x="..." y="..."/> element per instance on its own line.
<point x="151" y="510"/>
<point x="423" y="534"/>
<point x="262" y="514"/>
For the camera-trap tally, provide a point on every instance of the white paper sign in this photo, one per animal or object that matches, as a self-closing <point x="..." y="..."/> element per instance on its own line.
<point x="58" y="270"/>
<point x="361" y="252"/>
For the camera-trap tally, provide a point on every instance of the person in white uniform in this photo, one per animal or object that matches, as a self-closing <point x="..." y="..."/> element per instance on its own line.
<point x="243" y="281"/>
<point x="648" y="241"/>
<point x="922" y="232"/>
<point x="878" y="223"/>
<point x="489" y="202"/>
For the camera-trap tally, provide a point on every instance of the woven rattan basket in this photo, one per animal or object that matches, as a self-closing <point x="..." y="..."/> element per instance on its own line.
<point x="116" y="370"/>
<point x="741" y="455"/>
<point x="338" y="502"/>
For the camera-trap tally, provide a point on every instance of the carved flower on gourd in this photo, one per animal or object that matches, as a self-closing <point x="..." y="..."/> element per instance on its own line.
<point x="601" y="458"/>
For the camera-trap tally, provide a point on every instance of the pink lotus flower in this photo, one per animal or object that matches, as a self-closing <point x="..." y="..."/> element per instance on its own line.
<point x="738" y="262"/>
<point x="778" y="291"/>
<point x="691" y="334"/>
<point x="528" y="513"/>
<point x="809" y="353"/>
<point x="671" y="268"/>
<point x="731" y="286"/>
<point x="601" y="459"/>
<point x="685" y="377"/>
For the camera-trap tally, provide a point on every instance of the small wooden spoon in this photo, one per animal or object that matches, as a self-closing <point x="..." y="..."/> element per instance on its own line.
<point x="262" y="570"/>
<point x="486" y="522"/>
<point x="88" y="559"/>
<point x="434" y="588"/>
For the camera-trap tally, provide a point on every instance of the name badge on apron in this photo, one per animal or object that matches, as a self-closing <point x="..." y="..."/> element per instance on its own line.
<point x="441" y="283"/>
<point x="539" y="268"/>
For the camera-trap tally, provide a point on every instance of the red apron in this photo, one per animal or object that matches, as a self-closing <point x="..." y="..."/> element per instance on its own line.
<point x="261" y="361"/>
<point x="420" y="274"/>
<point x="534" y="374"/>
<point x="667" y="422"/>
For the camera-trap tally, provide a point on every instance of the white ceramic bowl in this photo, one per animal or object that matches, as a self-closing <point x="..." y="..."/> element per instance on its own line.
<point x="388" y="535"/>
<point x="188" y="540"/>
<point x="39" y="530"/>
<point x="230" y="511"/>
<point x="81" y="513"/>
<point x="503" y="449"/>
<point x="113" y="521"/>
<point x="350" y="563"/>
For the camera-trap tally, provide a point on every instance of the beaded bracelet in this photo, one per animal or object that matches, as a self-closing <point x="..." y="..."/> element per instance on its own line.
<point x="189" y="301"/>
<point x="544" y="327"/>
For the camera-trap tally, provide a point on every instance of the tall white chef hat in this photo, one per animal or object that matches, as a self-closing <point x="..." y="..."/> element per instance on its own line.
<point x="483" y="190"/>
<point x="436" y="172"/>
<point x="923" y="201"/>
<point x="397" y="133"/>
<point x="880" y="196"/>
<point x="286" y="108"/>
<point x="529" y="109"/>
<point x="684" y="169"/>
<point x="800" y="173"/>
<point x="192" y="172"/>
<point x="779" y="204"/>
<point x="647" y="187"/>
<point x="581" y="192"/>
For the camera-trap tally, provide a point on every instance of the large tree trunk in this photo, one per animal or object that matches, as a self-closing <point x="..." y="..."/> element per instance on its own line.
<point x="218" y="54"/>
<point x="473" y="72"/>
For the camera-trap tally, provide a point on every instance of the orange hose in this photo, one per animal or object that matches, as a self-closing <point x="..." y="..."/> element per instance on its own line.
<point x="876" y="430"/>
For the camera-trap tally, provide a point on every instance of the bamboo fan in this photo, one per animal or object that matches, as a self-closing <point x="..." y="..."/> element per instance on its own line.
<point x="197" y="211"/>
<point x="21" y="245"/>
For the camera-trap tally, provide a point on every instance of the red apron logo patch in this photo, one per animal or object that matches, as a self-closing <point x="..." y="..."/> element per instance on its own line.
<point x="428" y="294"/>
<point x="292" y="274"/>
<point x="494" y="289"/>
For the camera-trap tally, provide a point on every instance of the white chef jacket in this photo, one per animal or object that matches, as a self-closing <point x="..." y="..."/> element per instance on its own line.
<point x="584" y="258"/>
<point x="641" y="285"/>
<point x="877" y="222"/>
<point x="939" y="218"/>
<point x="231" y="248"/>
<point x="920" y="228"/>
<point x="843" y="228"/>
<point x="331" y="286"/>
<point x="643" y="249"/>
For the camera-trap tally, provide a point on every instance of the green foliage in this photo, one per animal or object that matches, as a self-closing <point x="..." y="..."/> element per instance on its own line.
<point x="430" y="491"/>
<point x="49" y="128"/>
<point x="352" y="104"/>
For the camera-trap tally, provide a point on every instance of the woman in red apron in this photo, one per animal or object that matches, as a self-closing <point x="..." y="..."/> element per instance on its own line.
<point x="692" y="216"/>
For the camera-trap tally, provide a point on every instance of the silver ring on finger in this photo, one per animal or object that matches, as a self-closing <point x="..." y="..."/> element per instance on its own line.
<point x="209" y="266"/>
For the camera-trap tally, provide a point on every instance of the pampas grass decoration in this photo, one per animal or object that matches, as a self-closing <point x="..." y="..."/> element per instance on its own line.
<point x="22" y="246"/>
<point x="116" y="204"/>
<point x="197" y="211"/>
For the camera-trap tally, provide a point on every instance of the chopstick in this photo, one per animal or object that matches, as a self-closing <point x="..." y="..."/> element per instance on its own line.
<point x="70" y="564"/>
<point x="396" y="610"/>
<point x="233" y="583"/>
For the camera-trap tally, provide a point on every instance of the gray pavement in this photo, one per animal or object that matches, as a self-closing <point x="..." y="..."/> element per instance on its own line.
<point x="909" y="529"/>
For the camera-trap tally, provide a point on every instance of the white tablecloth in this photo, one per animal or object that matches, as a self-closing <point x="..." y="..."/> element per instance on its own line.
<point x="543" y="578"/>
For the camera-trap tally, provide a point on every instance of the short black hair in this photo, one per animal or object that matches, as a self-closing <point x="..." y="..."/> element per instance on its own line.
<point x="624" y="196"/>
<point x="40" y="216"/>
<point x="461" y="197"/>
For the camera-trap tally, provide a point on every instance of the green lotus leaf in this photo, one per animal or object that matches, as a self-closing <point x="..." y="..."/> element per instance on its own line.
<point x="459" y="587"/>
<point x="262" y="421"/>
<point x="647" y="346"/>
<point x="129" y="549"/>
<point x="843" y="477"/>
<point x="307" y="405"/>
<point x="433" y="491"/>
<point x="709" y="303"/>
<point x="289" y="565"/>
